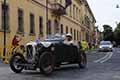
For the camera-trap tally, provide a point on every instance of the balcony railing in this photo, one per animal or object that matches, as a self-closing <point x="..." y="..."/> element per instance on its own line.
<point x="58" y="9"/>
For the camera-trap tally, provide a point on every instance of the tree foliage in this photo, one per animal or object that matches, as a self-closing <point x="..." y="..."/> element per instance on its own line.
<point x="108" y="34"/>
<point x="117" y="34"/>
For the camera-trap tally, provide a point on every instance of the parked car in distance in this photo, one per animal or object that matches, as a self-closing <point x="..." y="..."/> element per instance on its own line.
<point x="105" y="46"/>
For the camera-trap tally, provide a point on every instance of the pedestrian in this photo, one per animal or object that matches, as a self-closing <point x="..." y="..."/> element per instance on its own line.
<point x="79" y="45"/>
<point x="90" y="45"/>
<point x="16" y="40"/>
<point x="84" y="45"/>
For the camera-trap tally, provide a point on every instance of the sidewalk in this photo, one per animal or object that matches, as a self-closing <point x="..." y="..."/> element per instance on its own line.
<point x="92" y="51"/>
<point x="2" y="64"/>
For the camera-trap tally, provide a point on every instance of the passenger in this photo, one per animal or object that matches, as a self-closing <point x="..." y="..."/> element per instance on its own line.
<point x="38" y="39"/>
<point x="16" y="40"/>
<point x="68" y="39"/>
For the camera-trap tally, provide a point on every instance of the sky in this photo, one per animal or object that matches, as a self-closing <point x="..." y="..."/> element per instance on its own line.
<point x="105" y="12"/>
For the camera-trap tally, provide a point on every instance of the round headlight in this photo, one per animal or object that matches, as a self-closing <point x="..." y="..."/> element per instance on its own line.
<point x="52" y="48"/>
<point x="100" y="46"/>
<point x="110" y="46"/>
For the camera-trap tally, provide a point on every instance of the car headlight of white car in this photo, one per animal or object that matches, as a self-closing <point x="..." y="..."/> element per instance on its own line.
<point x="110" y="46"/>
<point x="100" y="46"/>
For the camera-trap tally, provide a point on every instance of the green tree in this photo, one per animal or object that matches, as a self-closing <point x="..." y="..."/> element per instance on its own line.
<point x="117" y="34"/>
<point x="108" y="34"/>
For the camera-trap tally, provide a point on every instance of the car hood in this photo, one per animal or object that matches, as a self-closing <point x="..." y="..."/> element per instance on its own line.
<point x="105" y="46"/>
<point x="31" y="43"/>
<point x="46" y="44"/>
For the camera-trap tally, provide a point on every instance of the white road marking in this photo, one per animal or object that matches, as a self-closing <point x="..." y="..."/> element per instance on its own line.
<point x="105" y="58"/>
<point x="109" y="57"/>
<point x="96" y="61"/>
<point x="116" y="77"/>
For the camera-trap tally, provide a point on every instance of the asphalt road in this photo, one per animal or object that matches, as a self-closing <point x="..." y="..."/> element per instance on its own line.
<point x="101" y="66"/>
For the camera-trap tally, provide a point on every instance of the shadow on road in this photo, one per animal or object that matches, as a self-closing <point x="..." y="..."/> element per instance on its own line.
<point x="74" y="69"/>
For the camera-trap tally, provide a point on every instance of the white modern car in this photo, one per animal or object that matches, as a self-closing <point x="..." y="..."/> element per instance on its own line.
<point x="105" y="46"/>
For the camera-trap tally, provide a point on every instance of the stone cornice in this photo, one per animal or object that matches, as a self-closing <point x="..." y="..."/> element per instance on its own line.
<point x="89" y="9"/>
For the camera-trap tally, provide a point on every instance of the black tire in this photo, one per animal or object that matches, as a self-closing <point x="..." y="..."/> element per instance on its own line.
<point x="111" y="50"/>
<point x="83" y="60"/>
<point x="17" y="58"/>
<point x="46" y="63"/>
<point x="57" y="65"/>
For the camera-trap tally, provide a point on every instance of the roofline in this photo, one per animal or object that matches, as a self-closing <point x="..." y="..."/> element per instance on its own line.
<point x="87" y="5"/>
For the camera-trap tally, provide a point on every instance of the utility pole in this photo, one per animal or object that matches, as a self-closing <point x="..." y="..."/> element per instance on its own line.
<point x="4" y="49"/>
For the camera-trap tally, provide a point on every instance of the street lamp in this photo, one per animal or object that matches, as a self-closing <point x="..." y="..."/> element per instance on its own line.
<point x="4" y="49"/>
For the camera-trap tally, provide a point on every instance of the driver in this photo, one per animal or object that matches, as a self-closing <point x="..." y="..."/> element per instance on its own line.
<point x="68" y="39"/>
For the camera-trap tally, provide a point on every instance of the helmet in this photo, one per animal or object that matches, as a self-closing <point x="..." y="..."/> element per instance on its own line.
<point x="69" y="35"/>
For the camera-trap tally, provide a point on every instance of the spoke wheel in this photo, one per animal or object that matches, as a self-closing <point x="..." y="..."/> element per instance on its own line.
<point x="15" y="62"/>
<point x="46" y="63"/>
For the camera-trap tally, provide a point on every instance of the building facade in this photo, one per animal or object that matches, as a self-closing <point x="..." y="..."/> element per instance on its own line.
<point x="31" y="18"/>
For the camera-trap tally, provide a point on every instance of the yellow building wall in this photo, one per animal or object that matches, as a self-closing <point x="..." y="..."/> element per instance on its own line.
<point x="28" y="7"/>
<point x="39" y="9"/>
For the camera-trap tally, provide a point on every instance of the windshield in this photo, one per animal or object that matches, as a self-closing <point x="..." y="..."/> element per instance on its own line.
<point x="54" y="38"/>
<point x="105" y="43"/>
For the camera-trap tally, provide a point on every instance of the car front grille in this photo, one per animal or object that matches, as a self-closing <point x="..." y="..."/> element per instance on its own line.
<point x="29" y="54"/>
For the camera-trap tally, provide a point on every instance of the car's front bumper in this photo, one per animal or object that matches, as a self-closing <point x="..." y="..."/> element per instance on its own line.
<point x="105" y="49"/>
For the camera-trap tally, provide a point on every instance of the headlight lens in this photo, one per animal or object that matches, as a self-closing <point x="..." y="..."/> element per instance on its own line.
<point x="100" y="46"/>
<point x="52" y="48"/>
<point x="110" y="46"/>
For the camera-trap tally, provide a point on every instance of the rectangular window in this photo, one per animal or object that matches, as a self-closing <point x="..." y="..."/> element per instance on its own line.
<point x="80" y="36"/>
<point x="74" y="11"/>
<point x="32" y="24"/>
<point x="61" y="30"/>
<point x="49" y="27"/>
<point x="61" y="1"/>
<point x="40" y="25"/>
<point x="6" y="8"/>
<point x="77" y="35"/>
<point x="80" y="15"/>
<point x="20" y="20"/>
<point x="70" y="11"/>
<point x="74" y="34"/>
<point x="71" y="31"/>
<point x="66" y="29"/>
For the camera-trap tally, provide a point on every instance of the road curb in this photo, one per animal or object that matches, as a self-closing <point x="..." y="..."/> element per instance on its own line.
<point x="91" y="51"/>
<point x="2" y="64"/>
